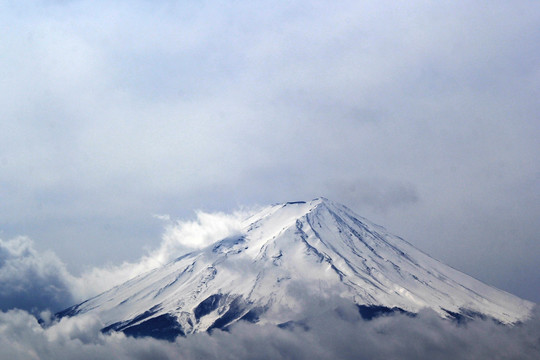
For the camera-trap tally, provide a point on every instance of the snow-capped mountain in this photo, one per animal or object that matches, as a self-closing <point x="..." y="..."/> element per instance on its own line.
<point x="285" y="253"/>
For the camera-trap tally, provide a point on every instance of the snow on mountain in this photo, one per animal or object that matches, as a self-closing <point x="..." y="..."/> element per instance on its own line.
<point x="284" y="253"/>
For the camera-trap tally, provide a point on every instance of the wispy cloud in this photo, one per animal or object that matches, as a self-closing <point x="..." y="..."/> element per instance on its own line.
<point x="179" y="237"/>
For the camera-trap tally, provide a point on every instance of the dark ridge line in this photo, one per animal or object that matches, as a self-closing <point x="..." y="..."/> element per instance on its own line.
<point x="310" y="247"/>
<point x="206" y="306"/>
<point x="162" y="327"/>
<point x="259" y="276"/>
<point x="382" y="239"/>
<point x="464" y="316"/>
<point x="160" y="291"/>
<point x="70" y="311"/>
<point x="340" y="273"/>
<point x="235" y="311"/>
<point x="294" y="203"/>
<point x="121" y="325"/>
<point x="182" y="257"/>
<point x="370" y="312"/>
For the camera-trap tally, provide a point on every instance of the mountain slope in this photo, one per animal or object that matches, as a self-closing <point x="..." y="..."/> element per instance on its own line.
<point x="285" y="253"/>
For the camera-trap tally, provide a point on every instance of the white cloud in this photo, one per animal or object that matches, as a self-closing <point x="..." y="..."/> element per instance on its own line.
<point x="179" y="237"/>
<point x="207" y="229"/>
<point x="335" y="331"/>
<point x="85" y="328"/>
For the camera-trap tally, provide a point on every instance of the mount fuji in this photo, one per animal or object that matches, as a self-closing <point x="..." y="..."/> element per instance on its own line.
<point x="284" y="254"/>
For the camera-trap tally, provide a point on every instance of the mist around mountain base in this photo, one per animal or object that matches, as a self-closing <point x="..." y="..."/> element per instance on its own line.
<point x="332" y="329"/>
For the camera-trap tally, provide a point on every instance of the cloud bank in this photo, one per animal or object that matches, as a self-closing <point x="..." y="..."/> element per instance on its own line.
<point x="31" y="280"/>
<point x="337" y="332"/>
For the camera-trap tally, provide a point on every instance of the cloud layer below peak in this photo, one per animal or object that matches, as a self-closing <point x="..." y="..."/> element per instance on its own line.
<point x="337" y="332"/>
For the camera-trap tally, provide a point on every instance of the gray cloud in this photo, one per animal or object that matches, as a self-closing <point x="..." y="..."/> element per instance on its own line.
<point x="334" y="331"/>
<point x="30" y="280"/>
<point x="378" y="195"/>
<point x="116" y="111"/>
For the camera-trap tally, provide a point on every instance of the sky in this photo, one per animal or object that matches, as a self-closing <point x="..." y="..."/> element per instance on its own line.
<point x="122" y="119"/>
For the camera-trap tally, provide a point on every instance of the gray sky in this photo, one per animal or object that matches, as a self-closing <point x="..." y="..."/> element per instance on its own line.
<point x="421" y="116"/>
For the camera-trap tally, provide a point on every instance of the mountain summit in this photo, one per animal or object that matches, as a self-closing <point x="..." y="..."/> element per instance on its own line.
<point x="285" y="254"/>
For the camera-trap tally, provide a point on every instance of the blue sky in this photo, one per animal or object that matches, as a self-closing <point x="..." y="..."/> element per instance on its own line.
<point x="422" y="117"/>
